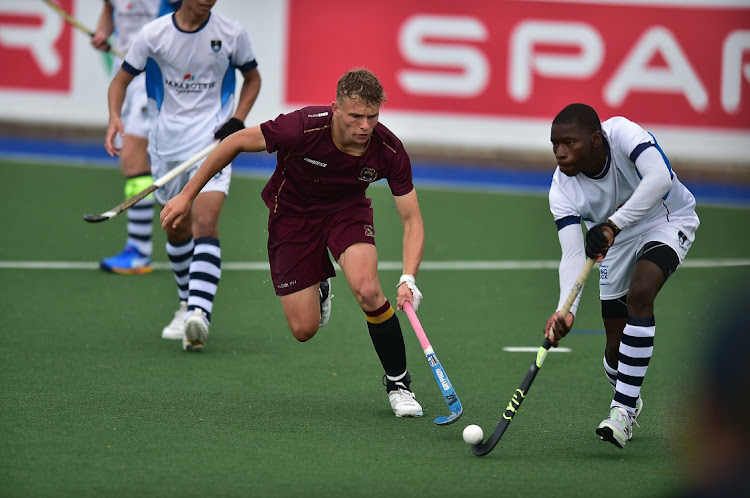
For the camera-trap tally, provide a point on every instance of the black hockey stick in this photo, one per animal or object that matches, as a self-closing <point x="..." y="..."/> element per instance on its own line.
<point x="519" y="395"/>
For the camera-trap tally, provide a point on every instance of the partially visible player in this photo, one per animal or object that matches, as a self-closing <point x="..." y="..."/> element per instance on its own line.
<point x="641" y="222"/>
<point x="124" y="18"/>
<point x="327" y="157"/>
<point x="190" y="59"/>
<point x="720" y="457"/>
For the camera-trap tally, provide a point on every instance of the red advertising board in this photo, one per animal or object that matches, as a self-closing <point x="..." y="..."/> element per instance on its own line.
<point x="35" y="47"/>
<point x="667" y="65"/>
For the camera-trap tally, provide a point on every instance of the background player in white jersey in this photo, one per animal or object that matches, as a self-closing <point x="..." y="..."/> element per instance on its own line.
<point x="124" y="19"/>
<point x="190" y="59"/>
<point x="641" y="222"/>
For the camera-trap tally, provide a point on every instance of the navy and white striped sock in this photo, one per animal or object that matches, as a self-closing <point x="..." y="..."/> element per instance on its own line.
<point x="205" y="272"/>
<point x="610" y="371"/>
<point x="636" y="349"/>
<point x="140" y="225"/>
<point x="180" y="257"/>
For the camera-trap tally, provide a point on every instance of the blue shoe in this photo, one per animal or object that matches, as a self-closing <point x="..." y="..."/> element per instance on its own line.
<point x="129" y="262"/>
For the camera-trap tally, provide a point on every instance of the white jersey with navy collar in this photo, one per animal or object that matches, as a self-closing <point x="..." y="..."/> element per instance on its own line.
<point x="594" y="200"/>
<point x="131" y="15"/>
<point x="190" y="80"/>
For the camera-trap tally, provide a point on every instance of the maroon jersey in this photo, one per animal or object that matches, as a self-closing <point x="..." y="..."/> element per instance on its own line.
<point x="314" y="178"/>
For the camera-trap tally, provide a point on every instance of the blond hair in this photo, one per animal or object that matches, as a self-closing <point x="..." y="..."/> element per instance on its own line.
<point x="360" y="84"/>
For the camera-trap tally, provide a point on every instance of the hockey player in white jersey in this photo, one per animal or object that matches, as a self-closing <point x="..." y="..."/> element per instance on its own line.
<point x="640" y="224"/>
<point x="190" y="59"/>
<point x="124" y="19"/>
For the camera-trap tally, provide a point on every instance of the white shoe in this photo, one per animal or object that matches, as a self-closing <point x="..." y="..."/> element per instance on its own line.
<point x="176" y="328"/>
<point x="325" y="302"/>
<point x="638" y="410"/>
<point x="617" y="428"/>
<point x="196" y="331"/>
<point x="404" y="404"/>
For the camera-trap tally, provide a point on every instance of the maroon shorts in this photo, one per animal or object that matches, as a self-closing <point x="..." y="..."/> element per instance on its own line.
<point x="298" y="246"/>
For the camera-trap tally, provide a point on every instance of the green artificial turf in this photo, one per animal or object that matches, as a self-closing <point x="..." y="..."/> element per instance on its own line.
<point x="95" y="403"/>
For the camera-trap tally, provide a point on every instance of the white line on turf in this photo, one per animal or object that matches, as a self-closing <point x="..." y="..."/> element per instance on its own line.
<point x="535" y="349"/>
<point x="383" y="265"/>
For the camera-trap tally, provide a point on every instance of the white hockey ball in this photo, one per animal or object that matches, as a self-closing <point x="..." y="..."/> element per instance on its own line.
<point x="473" y="434"/>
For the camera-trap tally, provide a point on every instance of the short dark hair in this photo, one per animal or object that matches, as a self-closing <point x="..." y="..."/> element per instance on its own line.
<point x="581" y="115"/>
<point x="360" y="84"/>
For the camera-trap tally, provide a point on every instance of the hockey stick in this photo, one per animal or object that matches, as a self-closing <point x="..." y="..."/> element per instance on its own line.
<point x="519" y="395"/>
<point x="451" y="399"/>
<point x="173" y="173"/>
<point x="72" y="20"/>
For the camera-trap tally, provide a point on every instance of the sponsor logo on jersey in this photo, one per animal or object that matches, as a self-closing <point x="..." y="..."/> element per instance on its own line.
<point x="216" y="45"/>
<point x="316" y="163"/>
<point x="189" y="85"/>
<point x="318" y="115"/>
<point x="369" y="231"/>
<point x="368" y="175"/>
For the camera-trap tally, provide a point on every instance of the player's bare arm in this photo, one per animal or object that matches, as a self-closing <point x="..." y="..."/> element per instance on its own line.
<point x="247" y="140"/>
<point x="105" y="26"/>
<point x="115" y="99"/>
<point x="407" y="207"/>
<point x="248" y="93"/>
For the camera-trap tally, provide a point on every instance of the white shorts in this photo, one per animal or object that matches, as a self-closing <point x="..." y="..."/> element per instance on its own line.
<point x="219" y="183"/>
<point x="135" y="118"/>
<point x="616" y="270"/>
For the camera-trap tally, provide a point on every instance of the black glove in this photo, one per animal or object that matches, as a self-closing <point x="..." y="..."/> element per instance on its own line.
<point x="596" y="237"/>
<point x="228" y="128"/>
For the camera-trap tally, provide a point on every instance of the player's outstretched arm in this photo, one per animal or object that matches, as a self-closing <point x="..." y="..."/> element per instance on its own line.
<point x="104" y="29"/>
<point x="413" y="248"/>
<point x="572" y="260"/>
<point x="247" y="140"/>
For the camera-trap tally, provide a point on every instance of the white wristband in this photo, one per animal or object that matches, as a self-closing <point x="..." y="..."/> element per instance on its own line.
<point x="411" y="283"/>
<point x="408" y="279"/>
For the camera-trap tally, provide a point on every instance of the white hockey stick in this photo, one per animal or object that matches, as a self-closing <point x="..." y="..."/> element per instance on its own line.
<point x="173" y="173"/>
<point x="74" y="22"/>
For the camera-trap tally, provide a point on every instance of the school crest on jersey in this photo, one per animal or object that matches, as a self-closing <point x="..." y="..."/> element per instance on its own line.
<point x="368" y="175"/>
<point x="216" y="45"/>
<point x="369" y="231"/>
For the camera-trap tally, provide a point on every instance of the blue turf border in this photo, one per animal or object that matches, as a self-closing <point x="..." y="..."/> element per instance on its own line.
<point x="507" y="178"/>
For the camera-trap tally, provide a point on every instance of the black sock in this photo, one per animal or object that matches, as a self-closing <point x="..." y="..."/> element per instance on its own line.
<point x="385" y="332"/>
